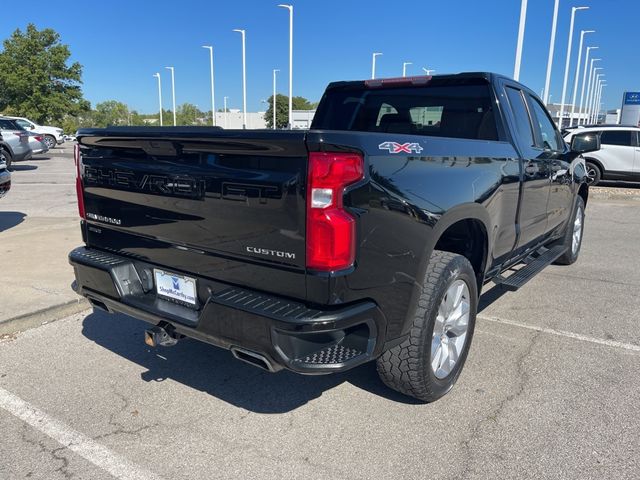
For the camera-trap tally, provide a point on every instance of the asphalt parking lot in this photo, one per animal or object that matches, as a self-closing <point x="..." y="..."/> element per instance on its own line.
<point x="551" y="388"/>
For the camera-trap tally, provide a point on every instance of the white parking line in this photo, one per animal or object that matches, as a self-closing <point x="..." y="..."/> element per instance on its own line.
<point x="75" y="441"/>
<point x="563" y="333"/>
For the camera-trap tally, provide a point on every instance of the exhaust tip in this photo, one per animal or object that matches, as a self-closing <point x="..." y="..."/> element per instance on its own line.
<point x="253" y="358"/>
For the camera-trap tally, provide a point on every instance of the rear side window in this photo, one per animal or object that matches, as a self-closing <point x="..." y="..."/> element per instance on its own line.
<point x="460" y="111"/>
<point x="521" y="115"/>
<point x="8" y="125"/>
<point x="617" y="137"/>
<point x="548" y="135"/>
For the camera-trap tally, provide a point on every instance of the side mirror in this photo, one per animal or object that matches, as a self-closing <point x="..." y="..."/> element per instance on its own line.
<point x="585" y="142"/>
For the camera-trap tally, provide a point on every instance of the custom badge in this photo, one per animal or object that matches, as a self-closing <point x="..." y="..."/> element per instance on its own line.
<point x="395" y="147"/>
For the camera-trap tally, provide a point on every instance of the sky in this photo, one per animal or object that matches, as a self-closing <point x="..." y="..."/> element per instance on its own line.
<point x="122" y="43"/>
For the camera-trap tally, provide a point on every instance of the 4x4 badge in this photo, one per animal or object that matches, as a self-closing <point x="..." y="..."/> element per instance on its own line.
<point x="395" y="147"/>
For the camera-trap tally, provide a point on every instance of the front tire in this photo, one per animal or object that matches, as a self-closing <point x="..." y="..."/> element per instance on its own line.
<point x="50" y="141"/>
<point x="6" y="156"/>
<point x="428" y="363"/>
<point x="594" y="174"/>
<point x="573" y="235"/>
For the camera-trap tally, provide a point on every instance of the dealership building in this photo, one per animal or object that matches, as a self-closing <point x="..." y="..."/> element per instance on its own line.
<point x="630" y="114"/>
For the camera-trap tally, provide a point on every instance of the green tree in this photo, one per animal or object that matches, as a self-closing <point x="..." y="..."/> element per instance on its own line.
<point x="282" y="109"/>
<point x="110" y="112"/>
<point x="188" y="114"/>
<point x="35" y="78"/>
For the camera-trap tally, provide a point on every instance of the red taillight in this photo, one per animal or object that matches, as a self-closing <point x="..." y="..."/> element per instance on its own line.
<point x="79" y="185"/>
<point x="331" y="230"/>
<point x="38" y="138"/>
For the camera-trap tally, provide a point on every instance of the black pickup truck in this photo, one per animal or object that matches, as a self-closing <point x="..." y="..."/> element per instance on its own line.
<point x="367" y="237"/>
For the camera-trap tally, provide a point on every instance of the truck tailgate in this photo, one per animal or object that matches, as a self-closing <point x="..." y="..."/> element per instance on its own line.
<point x="227" y="205"/>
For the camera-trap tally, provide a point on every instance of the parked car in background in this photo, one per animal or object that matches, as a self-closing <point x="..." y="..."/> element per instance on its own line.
<point x="619" y="155"/>
<point x="70" y="138"/>
<point x="52" y="135"/>
<point x="36" y="142"/>
<point x="15" y="142"/>
<point x="5" y="176"/>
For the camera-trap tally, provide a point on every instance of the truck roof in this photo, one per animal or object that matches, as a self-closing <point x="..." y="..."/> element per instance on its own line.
<point x="443" y="79"/>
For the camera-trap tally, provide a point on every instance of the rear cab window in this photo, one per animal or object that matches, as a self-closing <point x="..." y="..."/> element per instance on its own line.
<point x="440" y="110"/>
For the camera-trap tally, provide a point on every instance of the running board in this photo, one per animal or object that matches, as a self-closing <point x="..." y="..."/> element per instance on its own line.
<point x="536" y="262"/>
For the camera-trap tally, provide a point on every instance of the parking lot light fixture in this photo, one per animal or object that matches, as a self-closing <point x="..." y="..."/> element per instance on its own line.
<point x="523" y="20"/>
<point x="591" y="89"/>
<point x="552" y="43"/>
<point x="290" y="8"/>
<point x="427" y="71"/>
<point x="225" y="112"/>
<point x="577" y="76"/>
<point x="173" y="93"/>
<point x="404" y="68"/>
<point x="213" y="93"/>
<point x="590" y="81"/>
<point x="596" y="91"/>
<point x="273" y="103"/>
<point x="584" y="83"/>
<point x="373" y="64"/>
<point x="244" y="77"/>
<point x="567" y="62"/>
<point x="157" y="75"/>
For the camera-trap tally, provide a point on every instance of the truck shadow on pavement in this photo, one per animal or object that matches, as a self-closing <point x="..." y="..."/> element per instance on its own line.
<point x="18" y="167"/>
<point x="9" y="220"/>
<point x="214" y="370"/>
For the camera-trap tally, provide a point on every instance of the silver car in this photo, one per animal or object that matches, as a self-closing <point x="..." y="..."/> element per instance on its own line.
<point x="16" y="142"/>
<point x="36" y="142"/>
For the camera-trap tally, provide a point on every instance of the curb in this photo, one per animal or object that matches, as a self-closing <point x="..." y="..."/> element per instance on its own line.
<point x="41" y="317"/>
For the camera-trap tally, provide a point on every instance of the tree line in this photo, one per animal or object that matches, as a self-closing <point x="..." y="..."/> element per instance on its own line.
<point x="38" y="81"/>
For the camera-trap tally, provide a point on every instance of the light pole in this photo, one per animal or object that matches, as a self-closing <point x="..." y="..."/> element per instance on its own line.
<point x="404" y="68"/>
<point x="225" y="112"/>
<point x="427" y="71"/>
<point x="523" y="20"/>
<point x="373" y="64"/>
<point x="568" y="61"/>
<point x="157" y="75"/>
<point x="600" y="103"/>
<point x="290" y="8"/>
<point x="173" y="93"/>
<point x="584" y="83"/>
<point x="587" y="82"/>
<point x="575" y="82"/>
<point x="594" y="95"/>
<point x="591" y="88"/>
<point x="273" y="103"/>
<point x="552" y="43"/>
<point x="213" y="95"/>
<point x="244" y="78"/>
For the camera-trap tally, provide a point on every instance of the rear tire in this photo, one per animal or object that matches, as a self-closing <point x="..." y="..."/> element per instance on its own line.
<point x="573" y="235"/>
<point x="594" y="174"/>
<point x="427" y="364"/>
<point x="6" y="156"/>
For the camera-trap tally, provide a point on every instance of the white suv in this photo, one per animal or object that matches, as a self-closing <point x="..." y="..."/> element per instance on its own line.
<point x="52" y="136"/>
<point x="619" y="154"/>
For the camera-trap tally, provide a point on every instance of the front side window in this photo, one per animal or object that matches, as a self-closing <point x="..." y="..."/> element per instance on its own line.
<point x="617" y="137"/>
<point x="24" y="124"/>
<point x="546" y="129"/>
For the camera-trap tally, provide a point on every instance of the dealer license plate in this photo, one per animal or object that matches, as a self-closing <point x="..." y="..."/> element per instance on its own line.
<point x="178" y="288"/>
